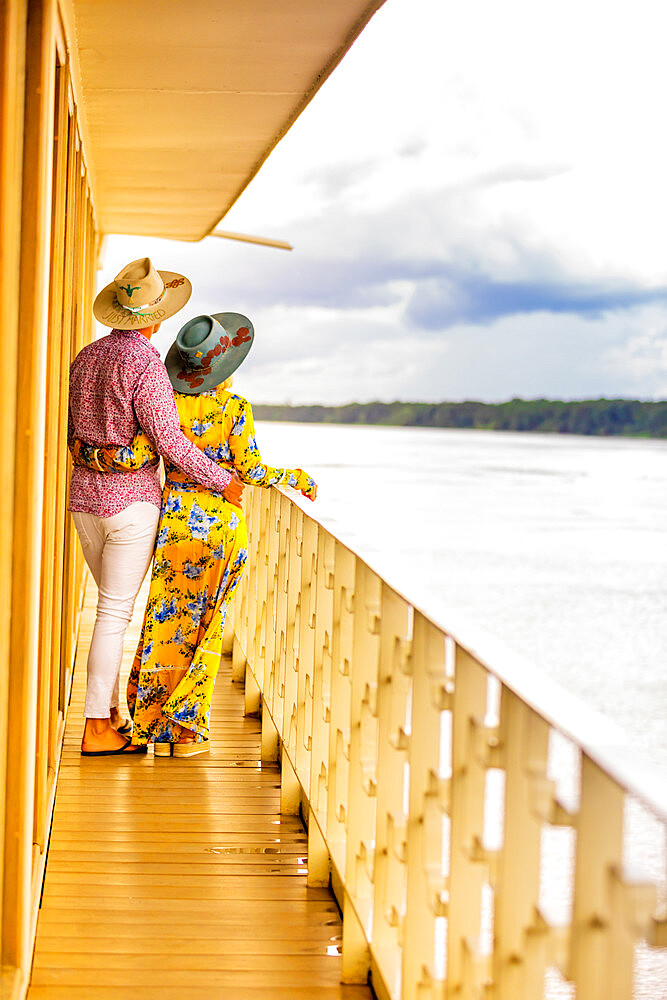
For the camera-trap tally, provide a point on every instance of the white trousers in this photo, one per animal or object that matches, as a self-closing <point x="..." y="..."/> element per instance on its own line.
<point x="118" y="551"/>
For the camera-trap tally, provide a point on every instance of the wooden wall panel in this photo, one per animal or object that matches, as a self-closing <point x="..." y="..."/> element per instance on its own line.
<point x="29" y="443"/>
<point x="13" y="15"/>
<point x="48" y="250"/>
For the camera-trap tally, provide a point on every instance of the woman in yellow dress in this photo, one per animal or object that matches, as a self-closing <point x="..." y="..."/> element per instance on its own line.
<point x="201" y="544"/>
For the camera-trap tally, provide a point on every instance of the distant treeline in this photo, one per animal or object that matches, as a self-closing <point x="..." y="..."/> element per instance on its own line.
<point x="587" y="416"/>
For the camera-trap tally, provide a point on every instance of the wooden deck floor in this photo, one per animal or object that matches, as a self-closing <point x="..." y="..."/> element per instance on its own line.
<point x="170" y="878"/>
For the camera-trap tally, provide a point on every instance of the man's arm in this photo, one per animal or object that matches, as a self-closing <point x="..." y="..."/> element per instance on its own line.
<point x="155" y="407"/>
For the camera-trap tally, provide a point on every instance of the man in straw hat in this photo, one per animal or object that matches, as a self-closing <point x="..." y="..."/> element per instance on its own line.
<point x="117" y="385"/>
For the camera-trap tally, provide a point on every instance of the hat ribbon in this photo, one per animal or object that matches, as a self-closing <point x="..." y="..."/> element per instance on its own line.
<point x="146" y="305"/>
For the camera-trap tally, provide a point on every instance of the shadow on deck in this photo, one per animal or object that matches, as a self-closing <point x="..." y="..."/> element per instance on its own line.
<point x="167" y="876"/>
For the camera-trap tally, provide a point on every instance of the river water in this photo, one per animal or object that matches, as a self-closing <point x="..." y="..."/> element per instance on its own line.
<point x="556" y="545"/>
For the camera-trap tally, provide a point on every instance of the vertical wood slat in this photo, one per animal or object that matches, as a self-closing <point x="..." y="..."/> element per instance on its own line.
<point x="258" y="652"/>
<point x="340" y="700"/>
<point x="519" y="965"/>
<point x="282" y="532"/>
<point x="28" y="493"/>
<point x="13" y="14"/>
<point x="244" y="604"/>
<point x="271" y="635"/>
<point x="60" y="486"/>
<point x="426" y="892"/>
<point x="235" y="636"/>
<point x="69" y="586"/>
<point x="307" y="589"/>
<point x="292" y="648"/>
<point x="362" y="800"/>
<point x="324" y="576"/>
<point x="597" y="965"/>
<point x="54" y="460"/>
<point x="393" y="710"/>
<point x="246" y="638"/>
<point x="467" y="821"/>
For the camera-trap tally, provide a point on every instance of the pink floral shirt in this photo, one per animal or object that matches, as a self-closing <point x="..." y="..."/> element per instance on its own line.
<point x="117" y="385"/>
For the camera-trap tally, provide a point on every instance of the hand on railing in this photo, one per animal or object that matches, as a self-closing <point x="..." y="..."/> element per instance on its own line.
<point x="305" y="484"/>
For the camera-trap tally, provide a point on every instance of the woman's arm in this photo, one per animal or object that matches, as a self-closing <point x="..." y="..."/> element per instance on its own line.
<point x="248" y="463"/>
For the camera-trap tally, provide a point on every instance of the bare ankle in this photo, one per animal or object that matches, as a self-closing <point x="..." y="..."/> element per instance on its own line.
<point x="97" y="727"/>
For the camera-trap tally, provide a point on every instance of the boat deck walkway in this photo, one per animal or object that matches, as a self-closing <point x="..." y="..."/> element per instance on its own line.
<point x="168" y="878"/>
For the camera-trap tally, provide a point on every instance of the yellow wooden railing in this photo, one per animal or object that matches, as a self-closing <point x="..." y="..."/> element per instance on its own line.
<point x="428" y="776"/>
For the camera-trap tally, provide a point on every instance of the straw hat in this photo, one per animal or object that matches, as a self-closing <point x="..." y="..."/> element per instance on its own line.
<point x="141" y="296"/>
<point x="207" y="350"/>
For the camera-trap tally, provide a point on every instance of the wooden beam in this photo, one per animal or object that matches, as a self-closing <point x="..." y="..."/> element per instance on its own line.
<point x="260" y="240"/>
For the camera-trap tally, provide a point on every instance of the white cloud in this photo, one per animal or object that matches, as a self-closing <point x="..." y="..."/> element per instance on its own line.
<point x="476" y="202"/>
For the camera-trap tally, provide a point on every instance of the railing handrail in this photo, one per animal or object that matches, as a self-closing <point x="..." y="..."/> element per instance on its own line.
<point x="602" y="739"/>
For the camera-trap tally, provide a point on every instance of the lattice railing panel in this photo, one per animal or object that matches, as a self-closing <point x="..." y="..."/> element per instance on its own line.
<point x="472" y="814"/>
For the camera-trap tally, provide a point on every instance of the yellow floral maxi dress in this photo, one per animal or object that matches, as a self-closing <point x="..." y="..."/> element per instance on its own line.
<point x="200" y="553"/>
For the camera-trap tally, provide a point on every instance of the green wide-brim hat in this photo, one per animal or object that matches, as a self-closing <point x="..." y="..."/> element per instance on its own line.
<point x="207" y="350"/>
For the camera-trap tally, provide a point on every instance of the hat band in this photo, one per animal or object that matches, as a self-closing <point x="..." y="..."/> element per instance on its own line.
<point x="147" y="305"/>
<point x="198" y="362"/>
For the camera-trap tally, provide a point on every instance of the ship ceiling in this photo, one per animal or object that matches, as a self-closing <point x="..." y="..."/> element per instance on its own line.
<point x="181" y="102"/>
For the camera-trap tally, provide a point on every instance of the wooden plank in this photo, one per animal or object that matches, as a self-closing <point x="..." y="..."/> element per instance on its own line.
<point x="186" y="961"/>
<point x="280" y="944"/>
<point x="110" y="910"/>
<point x="198" y="855"/>
<point x="207" y="924"/>
<point x="168" y="992"/>
<point x="114" y="888"/>
<point x="232" y="824"/>
<point x="223" y="869"/>
<point x="325" y="973"/>
<point x="112" y="841"/>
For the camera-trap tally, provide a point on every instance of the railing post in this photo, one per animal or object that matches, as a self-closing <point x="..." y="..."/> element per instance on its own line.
<point x="319" y="862"/>
<point x="290" y="789"/>
<point x="356" y="954"/>
<point x="270" y="741"/>
<point x="252" y="694"/>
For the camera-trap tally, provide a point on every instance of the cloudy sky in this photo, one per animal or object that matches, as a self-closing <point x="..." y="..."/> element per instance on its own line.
<point x="476" y="200"/>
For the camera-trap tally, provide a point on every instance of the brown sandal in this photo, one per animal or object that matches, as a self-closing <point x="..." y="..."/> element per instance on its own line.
<point x="116" y="752"/>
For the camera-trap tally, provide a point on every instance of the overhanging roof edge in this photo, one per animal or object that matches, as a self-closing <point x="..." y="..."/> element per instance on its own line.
<point x="68" y="18"/>
<point x="320" y="79"/>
